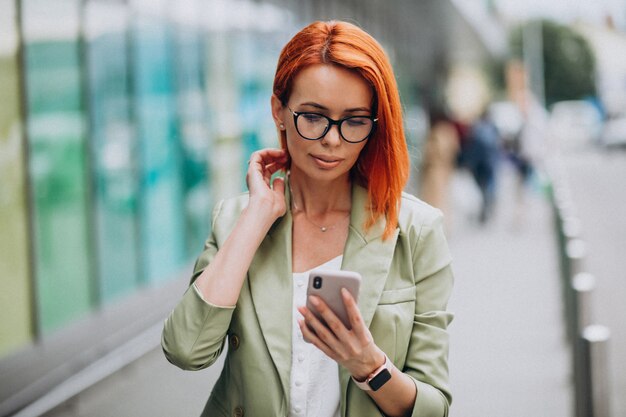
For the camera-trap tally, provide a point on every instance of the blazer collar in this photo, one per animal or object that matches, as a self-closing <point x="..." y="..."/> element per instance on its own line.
<point x="270" y="277"/>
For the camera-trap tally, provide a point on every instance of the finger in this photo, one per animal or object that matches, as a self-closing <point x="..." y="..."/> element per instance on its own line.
<point x="333" y="323"/>
<point x="264" y="157"/>
<point x="354" y="314"/>
<point x="277" y="165"/>
<point x="266" y="166"/>
<point x="279" y="185"/>
<point x="312" y="338"/>
<point x="267" y="156"/>
<point x="320" y="329"/>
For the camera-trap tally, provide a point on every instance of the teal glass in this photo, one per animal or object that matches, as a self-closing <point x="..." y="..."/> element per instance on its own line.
<point x="161" y="195"/>
<point x="189" y="58"/>
<point x="113" y="146"/>
<point x="57" y="166"/>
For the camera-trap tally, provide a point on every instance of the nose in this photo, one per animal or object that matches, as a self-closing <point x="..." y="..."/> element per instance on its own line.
<point x="332" y="137"/>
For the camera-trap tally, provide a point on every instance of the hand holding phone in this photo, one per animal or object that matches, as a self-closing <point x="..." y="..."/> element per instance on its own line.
<point x="327" y="285"/>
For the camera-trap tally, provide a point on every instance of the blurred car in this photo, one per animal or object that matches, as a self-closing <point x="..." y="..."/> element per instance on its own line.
<point x="575" y="123"/>
<point x="614" y="133"/>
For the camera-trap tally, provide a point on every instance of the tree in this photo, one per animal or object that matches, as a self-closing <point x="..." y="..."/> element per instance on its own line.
<point x="568" y="62"/>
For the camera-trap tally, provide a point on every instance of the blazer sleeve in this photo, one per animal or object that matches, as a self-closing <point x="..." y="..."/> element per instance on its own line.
<point x="427" y="358"/>
<point x="194" y="333"/>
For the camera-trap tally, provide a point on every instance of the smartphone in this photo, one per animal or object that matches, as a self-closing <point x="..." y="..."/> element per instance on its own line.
<point x="327" y="285"/>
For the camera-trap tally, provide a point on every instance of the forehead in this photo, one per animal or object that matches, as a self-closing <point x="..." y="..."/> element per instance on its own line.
<point x="332" y="86"/>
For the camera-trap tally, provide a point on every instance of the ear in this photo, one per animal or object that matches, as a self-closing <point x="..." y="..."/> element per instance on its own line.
<point x="278" y="112"/>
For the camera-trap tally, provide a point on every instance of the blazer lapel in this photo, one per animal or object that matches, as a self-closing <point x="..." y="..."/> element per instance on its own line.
<point x="366" y="253"/>
<point x="270" y="278"/>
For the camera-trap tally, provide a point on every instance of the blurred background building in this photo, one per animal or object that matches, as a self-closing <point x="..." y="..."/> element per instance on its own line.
<point x="123" y="121"/>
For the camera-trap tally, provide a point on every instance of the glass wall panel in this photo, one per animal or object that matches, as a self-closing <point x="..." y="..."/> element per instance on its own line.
<point x="255" y="66"/>
<point x="161" y="205"/>
<point x="15" y="320"/>
<point x="57" y="159"/>
<point x="189" y="60"/>
<point x="113" y="146"/>
<point x="227" y="153"/>
<point x="243" y="46"/>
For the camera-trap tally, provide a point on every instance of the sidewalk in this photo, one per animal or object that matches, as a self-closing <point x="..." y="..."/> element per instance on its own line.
<point x="508" y="355"/>
<point x="596" y="180"/>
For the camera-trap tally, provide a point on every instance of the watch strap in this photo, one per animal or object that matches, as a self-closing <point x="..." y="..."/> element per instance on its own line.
<point x="381" y="372"/>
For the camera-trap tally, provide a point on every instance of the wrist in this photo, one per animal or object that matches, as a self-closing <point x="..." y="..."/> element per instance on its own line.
<point x="377" y="378"/>
<point x="377" y="360"/>
<point x="261" y="211"/>
<point x="264" y="209"/>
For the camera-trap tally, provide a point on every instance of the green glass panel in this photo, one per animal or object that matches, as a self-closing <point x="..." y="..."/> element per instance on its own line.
<point x="15" y="299"/>
<point x="194" y="136"/>
<point x="57" y="160"/>
<point x="113" y="148"/>
<point x="161" y="203"/>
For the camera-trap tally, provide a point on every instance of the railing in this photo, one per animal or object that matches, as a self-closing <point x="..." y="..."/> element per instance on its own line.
<point x="589" y="341"/>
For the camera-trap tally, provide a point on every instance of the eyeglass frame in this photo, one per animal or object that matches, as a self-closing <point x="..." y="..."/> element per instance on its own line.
<point x="331" y="123"/>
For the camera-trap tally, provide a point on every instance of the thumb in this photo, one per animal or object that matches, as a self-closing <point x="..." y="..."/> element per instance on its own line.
<point x="279" y="185"/>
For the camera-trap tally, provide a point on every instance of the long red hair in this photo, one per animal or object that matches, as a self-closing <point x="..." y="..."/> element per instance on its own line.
<point x="383" y="165"/>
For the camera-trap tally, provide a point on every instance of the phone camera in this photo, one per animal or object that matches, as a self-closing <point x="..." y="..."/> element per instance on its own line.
<point x="317" y="282"/>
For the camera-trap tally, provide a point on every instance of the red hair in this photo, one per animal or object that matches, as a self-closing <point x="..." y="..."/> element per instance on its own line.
<point x="383" y="165"/>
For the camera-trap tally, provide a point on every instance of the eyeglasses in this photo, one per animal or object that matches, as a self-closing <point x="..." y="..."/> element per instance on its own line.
<point x="314" y="126"/>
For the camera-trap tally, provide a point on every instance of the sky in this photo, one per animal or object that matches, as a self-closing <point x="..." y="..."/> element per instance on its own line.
<point x="593" y="11"/>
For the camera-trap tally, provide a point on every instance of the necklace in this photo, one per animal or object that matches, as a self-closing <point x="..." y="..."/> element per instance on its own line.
<point x="322" y="228"/>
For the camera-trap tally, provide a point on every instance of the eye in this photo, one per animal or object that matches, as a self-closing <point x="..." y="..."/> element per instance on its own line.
<point x="312" y="117"/>
<point x="357" y="121"/>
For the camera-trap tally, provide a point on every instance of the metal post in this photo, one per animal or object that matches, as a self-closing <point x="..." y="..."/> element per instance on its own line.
<point x="595" y="401"/>
<point x="583" y="285"/>
<point x="575" y="250"/>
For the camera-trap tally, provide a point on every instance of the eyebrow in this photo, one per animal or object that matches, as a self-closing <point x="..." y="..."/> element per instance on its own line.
<point x="321" y="107"/>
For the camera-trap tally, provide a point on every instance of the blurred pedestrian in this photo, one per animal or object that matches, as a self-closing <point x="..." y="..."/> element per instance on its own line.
<point x="439" y="162"/>
<point x="340" y="206"/>
<point x="527" y="153"/>
<point x="481" y="157"/>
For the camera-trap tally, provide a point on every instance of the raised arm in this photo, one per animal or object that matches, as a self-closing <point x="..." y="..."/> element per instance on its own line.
<point x="220" y="283"/>
<point x="194" y="332"/>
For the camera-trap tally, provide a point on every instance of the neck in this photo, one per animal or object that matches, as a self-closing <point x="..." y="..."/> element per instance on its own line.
<point x="320" y="197"/>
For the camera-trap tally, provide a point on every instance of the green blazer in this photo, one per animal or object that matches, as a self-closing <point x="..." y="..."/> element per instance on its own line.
<point x="407" y="280"/>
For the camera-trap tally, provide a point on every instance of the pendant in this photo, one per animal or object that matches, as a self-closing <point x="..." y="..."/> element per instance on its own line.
<point x="323" y="229"/>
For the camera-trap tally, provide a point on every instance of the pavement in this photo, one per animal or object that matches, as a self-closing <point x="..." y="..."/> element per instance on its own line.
<point x="596" y="182"/>
<point x="508" y="355"/>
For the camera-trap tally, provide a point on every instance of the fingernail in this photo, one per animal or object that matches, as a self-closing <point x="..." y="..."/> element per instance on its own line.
<point x="314" y="300"/>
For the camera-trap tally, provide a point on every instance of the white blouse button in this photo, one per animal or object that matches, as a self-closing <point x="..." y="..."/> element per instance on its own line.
<point x="298" y="383"/>
<point x="297" y="409"/>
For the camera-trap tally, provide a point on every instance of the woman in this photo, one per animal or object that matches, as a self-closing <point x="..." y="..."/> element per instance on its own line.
<point x="337" y="111"/>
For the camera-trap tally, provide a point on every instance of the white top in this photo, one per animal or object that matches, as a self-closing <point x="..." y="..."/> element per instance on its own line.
<point x="315" y="390"/>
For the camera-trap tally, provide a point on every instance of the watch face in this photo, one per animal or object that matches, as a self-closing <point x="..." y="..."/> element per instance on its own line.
<point x="380" y="379"/>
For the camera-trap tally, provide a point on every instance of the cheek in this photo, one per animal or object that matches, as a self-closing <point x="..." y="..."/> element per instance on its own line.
<point x="295" y="146"/>
<point x="357" y="152"/>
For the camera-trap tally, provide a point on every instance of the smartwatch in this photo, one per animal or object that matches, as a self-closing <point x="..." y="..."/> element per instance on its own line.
<point x="376" y="379"/>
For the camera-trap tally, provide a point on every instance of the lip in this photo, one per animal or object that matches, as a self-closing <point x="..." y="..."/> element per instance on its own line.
<point x="326" y="161"/>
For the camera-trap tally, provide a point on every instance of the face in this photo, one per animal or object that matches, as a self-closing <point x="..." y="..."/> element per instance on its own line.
<point x="334" y="92"/>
